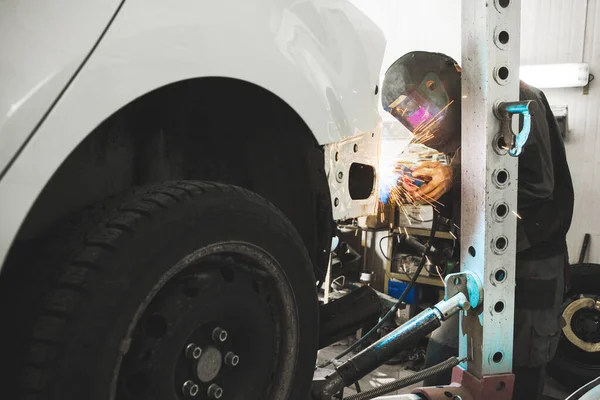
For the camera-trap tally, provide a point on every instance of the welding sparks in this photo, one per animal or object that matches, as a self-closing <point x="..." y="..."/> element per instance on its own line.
<point x="517" y="214"/>
<point x="391" y="172"/>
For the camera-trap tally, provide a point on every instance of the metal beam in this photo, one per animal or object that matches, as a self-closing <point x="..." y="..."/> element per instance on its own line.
<point x="490" y="62"/>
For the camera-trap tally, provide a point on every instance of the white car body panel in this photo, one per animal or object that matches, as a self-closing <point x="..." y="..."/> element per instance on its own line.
<point x="320" y="56"/>
<point x="41" y="47"/>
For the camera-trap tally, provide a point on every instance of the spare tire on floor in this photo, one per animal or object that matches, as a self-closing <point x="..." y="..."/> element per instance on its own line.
<point x="177" y="290"/>
<point x="577" y="359"/>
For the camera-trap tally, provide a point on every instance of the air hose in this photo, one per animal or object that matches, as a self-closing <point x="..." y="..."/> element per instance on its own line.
<point x="404" y="382"/>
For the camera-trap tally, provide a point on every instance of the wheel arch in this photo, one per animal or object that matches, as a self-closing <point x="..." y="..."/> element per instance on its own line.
<point x="218" y="129"/>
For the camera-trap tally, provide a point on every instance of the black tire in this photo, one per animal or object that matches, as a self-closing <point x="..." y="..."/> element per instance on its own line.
<point x="118" y="294"/>
<point x="572" y="366"/>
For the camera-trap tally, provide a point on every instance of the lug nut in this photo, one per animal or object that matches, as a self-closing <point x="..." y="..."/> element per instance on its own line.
<point x="219" y="335"/>
<point x="231" y="359"/>
<point x="190" y="388"/>
<point x="192" y="351"/>
<point x="215" y="391"/>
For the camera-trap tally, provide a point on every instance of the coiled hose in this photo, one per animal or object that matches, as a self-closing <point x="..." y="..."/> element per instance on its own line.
<point x="409" y="380"/>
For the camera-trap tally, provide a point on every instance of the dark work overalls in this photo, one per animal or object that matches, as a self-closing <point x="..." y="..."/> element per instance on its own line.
<point x="545" y="204"/>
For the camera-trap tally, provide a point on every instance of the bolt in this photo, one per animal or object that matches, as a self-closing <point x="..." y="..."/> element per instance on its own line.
<point x="192" y="351"/>
<point x="597" y="305"/>
<point x="215" y="391"/>
<point x="190" y="388"/>
<point x="231" y="359"/>
<point x="219" y="334"/>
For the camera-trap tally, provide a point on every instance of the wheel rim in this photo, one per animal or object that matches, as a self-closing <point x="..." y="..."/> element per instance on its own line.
<point x="222" y="324"/>
<point x="582" y="324"/>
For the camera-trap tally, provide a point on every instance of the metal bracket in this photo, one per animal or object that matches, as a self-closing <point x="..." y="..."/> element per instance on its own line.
<point x="505" y="110"/>
<point x="467" y="283"/>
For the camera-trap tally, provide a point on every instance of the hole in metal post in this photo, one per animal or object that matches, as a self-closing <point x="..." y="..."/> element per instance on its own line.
<point x="499" y="307"/>
<point x="472" y="251"/>
<point x="499" y="145"/>
<point x="500" y="386"/>
<point x="503" y="73"/>
<point x="500" y="178"/>
<point x="501" y="243"/>
<point x="498" y="356"/>
<point x="500" y="275"/>
<point x="504" y="3"/>
<point x="502" y="210"/>
<point x="503" y="37"/>
<point x="457" y="281"/>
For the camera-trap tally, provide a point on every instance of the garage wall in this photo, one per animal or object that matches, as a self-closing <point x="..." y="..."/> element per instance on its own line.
<point x="553" y="31"/>
<point x="583" y="140"/>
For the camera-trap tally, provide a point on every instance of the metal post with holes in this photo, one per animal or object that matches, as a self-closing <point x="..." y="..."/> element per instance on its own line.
<point x="490" y="75"/>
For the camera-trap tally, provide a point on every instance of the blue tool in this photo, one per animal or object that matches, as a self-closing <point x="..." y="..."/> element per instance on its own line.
<point x="406" y="177"/>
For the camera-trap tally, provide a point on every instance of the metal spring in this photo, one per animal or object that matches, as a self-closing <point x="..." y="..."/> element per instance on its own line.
<point x="409" y="380"/>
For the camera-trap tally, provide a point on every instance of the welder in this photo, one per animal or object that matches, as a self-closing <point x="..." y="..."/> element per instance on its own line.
<point x="422" y="90"/>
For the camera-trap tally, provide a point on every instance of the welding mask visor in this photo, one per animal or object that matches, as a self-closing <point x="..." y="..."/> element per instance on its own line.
<point x="422" y="91"/>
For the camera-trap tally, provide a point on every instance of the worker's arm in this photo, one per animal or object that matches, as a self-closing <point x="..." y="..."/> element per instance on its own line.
<point x="536" y="173"/>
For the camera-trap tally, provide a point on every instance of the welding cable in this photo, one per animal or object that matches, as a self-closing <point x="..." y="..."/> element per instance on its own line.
<point x="394" y="308"/>
<point x="404" y="382"/>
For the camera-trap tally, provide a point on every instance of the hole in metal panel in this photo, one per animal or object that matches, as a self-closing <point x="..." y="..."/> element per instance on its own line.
<point x="361" y="181"/>
<point x="504" y="3"/>
<point x="503" y="37"/>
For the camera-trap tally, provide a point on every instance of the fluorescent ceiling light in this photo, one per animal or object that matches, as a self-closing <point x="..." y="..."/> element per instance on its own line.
<point x="555" y="75"/>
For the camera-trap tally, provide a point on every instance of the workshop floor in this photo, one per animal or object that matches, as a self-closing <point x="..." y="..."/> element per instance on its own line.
<point x="389" y="373"/>
<point x="384" y="374"/>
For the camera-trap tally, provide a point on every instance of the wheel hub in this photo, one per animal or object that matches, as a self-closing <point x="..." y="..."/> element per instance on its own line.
<point x="213" y="331"/>
<point x="209" y="364"/>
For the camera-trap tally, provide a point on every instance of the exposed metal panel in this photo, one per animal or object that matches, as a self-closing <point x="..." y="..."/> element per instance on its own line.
<point x="489" y="179"/>
<point x="552" y="31"/>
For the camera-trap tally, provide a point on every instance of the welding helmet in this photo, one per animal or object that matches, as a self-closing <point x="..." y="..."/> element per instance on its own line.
<point x="422" y="91"/>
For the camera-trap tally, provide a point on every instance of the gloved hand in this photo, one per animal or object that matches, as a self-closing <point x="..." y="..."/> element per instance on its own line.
<point x="437" y="180"/>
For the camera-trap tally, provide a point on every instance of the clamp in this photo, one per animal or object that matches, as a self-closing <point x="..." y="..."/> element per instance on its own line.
<point x="504" y="111"/>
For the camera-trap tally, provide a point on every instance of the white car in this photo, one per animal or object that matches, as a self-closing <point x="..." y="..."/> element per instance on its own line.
<point x="169" y="176"/>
